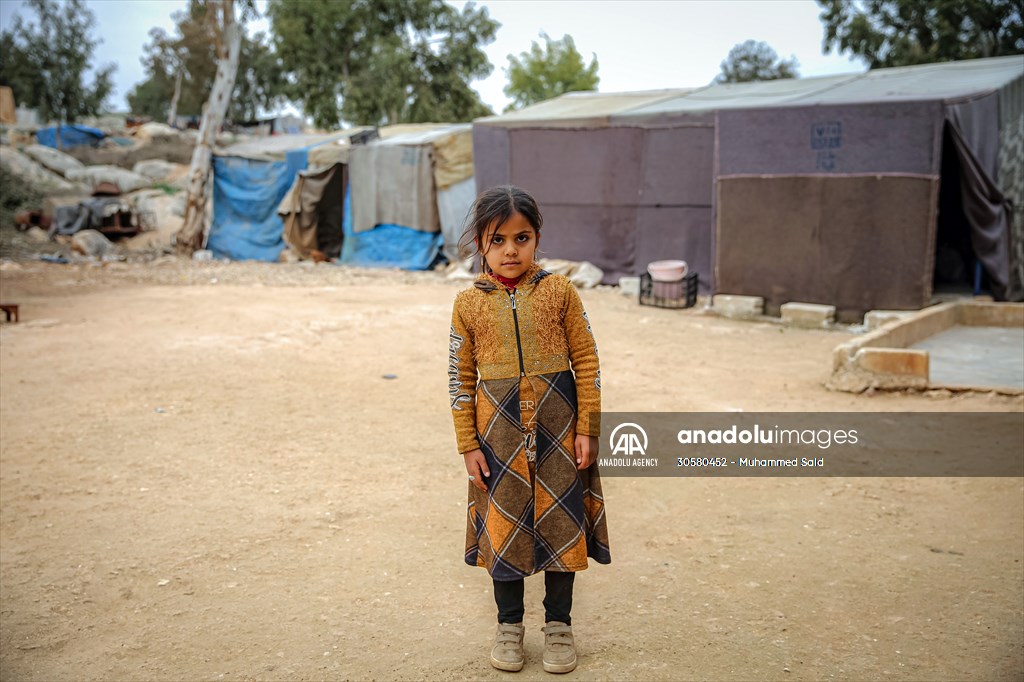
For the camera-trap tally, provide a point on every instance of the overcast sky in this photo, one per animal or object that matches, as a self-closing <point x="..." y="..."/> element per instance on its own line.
<point x="640" y="45"/>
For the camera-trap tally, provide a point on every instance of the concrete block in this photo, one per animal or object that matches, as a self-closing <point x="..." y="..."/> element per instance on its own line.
<point x="730" y="305"/>
<point x="629" y="286"/>
<point x="874" y="319"/>
<point x="811" y="315"/>
<point x="902" y="362"/>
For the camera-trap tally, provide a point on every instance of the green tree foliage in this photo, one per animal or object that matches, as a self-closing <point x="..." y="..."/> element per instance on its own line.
<point x="906" y="32"/>
<point x="755" y="61"/>
<point x="260" y="83"/>
<point x="376" y="62"/>
<point x="543" y="73"/>
<point x="16" y="194"/>
<point x="45" y="61"/>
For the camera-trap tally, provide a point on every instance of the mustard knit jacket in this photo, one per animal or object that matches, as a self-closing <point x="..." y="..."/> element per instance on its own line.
<point x="540" y="328"/>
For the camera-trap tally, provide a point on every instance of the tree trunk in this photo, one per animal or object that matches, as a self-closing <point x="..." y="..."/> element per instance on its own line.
<point x="172" y="115"/>
<point x="190" y="237"/>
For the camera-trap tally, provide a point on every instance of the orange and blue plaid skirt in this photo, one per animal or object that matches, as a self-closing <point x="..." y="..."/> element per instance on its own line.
<point x="539" y="512"/>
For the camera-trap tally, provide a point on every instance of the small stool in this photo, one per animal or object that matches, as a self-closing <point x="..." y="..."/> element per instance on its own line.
<point x="9" y="310"/>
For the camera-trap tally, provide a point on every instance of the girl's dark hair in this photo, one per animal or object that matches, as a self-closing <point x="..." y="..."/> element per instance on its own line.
<point x="494" y="207"/>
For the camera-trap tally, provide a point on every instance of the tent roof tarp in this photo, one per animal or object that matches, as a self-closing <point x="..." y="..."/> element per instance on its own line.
<point x="946" y="81"/>
<point x="930" y="82"/>
<point x="276" y="147"/>
<point x="576" y="109"/>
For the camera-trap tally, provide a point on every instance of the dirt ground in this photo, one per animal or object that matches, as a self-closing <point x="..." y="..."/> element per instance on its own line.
<point x="206" y="475"/>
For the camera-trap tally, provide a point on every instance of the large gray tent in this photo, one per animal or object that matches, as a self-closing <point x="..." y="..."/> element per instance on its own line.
<point x="839" y="190"/>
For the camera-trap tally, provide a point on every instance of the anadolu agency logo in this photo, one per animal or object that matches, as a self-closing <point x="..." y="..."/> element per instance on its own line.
<point x="628" y="442"/>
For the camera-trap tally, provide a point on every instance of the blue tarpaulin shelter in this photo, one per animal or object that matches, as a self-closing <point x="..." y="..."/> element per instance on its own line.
<point x="70" y="136"/>
<point x="249" y="181"/>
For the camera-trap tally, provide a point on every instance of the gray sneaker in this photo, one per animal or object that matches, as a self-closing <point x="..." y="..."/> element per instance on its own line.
<point x="507" y="653"/>
<point x="559" y="648"/>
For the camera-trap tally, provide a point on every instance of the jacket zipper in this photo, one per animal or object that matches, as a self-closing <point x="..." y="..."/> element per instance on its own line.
<point x="519" y="345"/>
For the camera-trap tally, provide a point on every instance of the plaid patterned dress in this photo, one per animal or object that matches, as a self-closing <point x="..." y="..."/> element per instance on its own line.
<point x="523" y="381"/>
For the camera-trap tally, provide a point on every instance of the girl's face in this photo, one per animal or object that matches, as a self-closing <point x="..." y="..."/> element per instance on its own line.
<point x="509" y="247"/>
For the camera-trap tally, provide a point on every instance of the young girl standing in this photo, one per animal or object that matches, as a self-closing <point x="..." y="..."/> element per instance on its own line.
<point x="525" y="392"/>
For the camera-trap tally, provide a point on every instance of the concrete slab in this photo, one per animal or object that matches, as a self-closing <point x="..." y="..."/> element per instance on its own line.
<point x="809" y="315"/>
<point x="980" y="346"/>
<point x="984" y="357"/>
<point x="730" y="305"/>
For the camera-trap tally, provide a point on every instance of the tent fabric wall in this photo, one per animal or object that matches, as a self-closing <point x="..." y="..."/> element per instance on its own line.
<point x="491" y="157"/>
<point x="859" y="242"/>
<point x="385" y="245"/>
<point x="393" y="185"/>
<point x="246" y="194"/>
<point x="815" y="164"/>
<point x="867" y="138"/>
<point x="453" y="204"/>
<point x="619" y="197"/>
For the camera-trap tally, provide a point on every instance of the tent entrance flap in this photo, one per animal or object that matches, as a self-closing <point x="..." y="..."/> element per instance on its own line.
<point x="313" y="209"/>
<point x="957" y="269"/>
<point x="970" y="127"/>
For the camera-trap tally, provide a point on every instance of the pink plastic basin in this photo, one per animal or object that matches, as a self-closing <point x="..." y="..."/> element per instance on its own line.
<point x="667" y="270"/>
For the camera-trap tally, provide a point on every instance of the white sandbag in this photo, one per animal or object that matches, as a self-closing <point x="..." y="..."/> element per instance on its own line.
<point x="157" y="170"/>
<point x="44" y="181"/>
<point x="586" y="276"/>
<point x="147" y="131"/>
<point x="54" y="160"/>
<point x="583" y="274"/>
<point x="91" y="243"/>
<point x="127" y="180"/>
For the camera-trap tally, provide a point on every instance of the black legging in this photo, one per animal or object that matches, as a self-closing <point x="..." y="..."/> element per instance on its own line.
<point x="508" y="594"/>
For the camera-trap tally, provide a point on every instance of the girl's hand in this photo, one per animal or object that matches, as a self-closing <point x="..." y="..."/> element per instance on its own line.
<point x="586" y="450"/>
<point x="476" y="466"/>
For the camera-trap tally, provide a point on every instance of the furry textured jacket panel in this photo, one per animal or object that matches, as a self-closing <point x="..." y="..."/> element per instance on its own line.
<point x="538" y="328"/>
